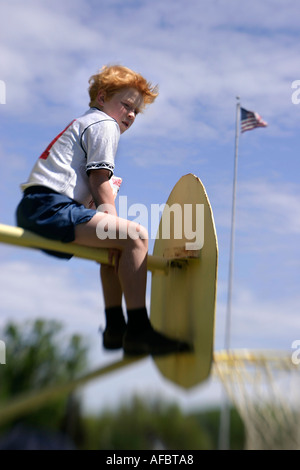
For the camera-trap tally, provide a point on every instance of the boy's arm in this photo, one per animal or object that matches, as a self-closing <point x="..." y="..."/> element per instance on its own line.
<point x="101" y="190"/>
<point x="102" y="193"/>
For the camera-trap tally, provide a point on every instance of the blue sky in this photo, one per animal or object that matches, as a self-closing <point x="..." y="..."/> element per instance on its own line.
<point x="202" y="54"/>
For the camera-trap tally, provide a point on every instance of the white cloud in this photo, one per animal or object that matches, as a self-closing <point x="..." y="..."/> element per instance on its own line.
<point x="265" y="323"/>
<point x="258" y="321"/>
<point x="270" y="208"/>
<point x="43" y="290"/>
<point x="278" y="204"/>
<point x="41" y="60"/>
<point x="201" y="56"/>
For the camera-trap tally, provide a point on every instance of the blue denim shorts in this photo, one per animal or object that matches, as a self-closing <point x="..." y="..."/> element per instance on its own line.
<point x="51" y="215"/>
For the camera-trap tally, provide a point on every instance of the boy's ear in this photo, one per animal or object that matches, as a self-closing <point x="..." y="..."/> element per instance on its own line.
<point x="101" y="98"/>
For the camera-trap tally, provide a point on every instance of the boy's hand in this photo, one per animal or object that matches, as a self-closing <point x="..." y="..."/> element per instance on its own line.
<point x="101" y="190"/>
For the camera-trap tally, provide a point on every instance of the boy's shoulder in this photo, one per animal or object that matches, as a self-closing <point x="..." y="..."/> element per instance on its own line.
<point x="94" y="115"/>
<point x="96" y="122"/>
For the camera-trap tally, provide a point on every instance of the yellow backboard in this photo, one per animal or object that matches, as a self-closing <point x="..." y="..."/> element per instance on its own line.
<point x="183" y="301"/>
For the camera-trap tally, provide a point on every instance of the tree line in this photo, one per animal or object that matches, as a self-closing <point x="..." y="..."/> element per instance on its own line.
<point x="39" y="354"/>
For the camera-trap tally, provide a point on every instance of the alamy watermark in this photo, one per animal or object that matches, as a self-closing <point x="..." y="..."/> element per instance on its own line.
<point x="296" y="353"/>
<point x="2" y="92"/>
<point x="296" y="93"/>
<point x="2" y="352"/>
<point x="178" y="222"/>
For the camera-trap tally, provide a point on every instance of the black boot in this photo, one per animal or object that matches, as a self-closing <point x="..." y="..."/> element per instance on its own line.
<point x="115" y="328"/>
<point x="141" y="338"/>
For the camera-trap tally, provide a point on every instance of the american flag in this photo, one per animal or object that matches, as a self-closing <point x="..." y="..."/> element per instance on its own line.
<point x="251" y="120"/>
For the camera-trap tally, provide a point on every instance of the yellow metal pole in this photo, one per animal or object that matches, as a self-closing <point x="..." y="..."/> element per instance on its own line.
<point x="20" y="237"/>
<point x="24" y="404"/>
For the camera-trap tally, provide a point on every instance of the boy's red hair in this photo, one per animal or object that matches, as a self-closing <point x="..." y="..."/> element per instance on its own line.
<point x="112" y="79"/>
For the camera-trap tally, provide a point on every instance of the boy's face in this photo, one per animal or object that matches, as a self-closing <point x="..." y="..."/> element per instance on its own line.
<point x="123" y="106"/>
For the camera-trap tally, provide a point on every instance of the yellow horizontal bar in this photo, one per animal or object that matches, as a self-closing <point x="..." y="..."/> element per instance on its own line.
<point x="245" y="356"/>
<point x="24" y="404"/>
<point x="20" y="237"/>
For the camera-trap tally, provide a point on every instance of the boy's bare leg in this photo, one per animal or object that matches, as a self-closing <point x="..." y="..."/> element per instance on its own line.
<point x="115" y="324"/>
<point x="139" y="337"/>
<point x="132" y="269"/>
<point x="112" y="291"/>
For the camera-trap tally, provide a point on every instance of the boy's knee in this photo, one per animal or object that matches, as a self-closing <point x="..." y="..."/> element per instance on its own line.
<point x="138" y="234"/>
<point x="143" y="234"/>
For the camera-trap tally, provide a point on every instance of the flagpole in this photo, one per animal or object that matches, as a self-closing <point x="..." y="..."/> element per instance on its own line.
<point x="224" y="433"/>
<point x="232" y="238"/>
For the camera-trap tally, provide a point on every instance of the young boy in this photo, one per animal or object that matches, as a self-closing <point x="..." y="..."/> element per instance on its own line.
<point x="74" y="171"/>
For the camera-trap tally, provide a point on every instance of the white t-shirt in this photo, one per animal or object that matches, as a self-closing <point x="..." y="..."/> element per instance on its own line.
<point x="89" y="142"/>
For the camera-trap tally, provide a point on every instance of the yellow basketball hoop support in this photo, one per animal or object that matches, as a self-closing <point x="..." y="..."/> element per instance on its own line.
<point x="183" y="290"/>
<point x="20" y="237"/>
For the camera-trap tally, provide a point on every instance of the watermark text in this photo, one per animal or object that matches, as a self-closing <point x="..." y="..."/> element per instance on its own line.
<point x="296" y="93"/>
<point x="2" y="352"/>
<point x="296" y="353"/>
<point x="2" y="92"/>
<point x="179" y="222"/>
